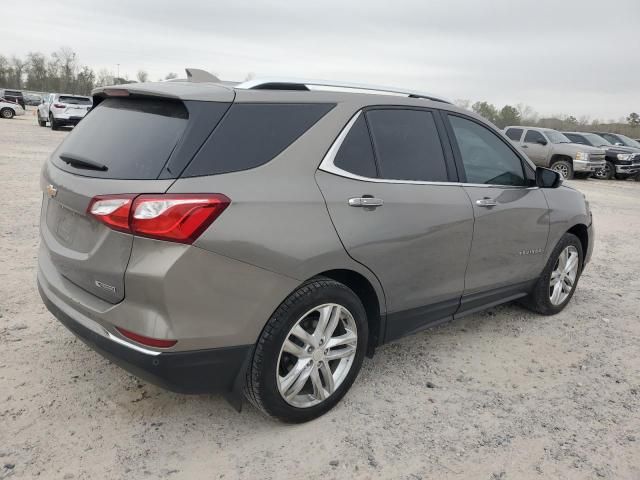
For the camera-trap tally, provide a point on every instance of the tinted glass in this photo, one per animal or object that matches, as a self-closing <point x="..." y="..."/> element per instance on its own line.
<point x="576" y="138"/>
<point x="556" y="137"/>
<point x="534" y="136"/>
<point x="356" y="153"/>
<point x="251" y="134"/>
<point x="487" y="159"/>
<point x="75" y="100"/>
<point x="133" y="138"/>
<point x="514" y="133"/>
<point x="407" y="145"/>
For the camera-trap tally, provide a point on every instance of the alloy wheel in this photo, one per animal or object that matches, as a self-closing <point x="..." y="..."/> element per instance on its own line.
<point x="561" y="169"/>
<point x="317" y="355"/>
<point x="563" y="276"/>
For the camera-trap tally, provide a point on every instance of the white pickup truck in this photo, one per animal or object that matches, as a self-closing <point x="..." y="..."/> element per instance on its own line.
<point x="62" y="110"/>
<point x="9" y="109"/>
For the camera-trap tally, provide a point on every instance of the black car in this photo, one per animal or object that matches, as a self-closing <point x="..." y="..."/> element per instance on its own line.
<point x="621" y="161"/>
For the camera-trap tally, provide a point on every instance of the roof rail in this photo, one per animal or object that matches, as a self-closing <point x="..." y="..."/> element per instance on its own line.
<point x="276" y="83"/>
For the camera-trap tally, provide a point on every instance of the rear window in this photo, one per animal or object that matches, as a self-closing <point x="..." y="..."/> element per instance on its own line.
<point x="75" y="100"/>
<point x="13" y="93"/>
<point x="132" y="138"/>
<point x="514" y="133"/>
<point x="252" y="134"/>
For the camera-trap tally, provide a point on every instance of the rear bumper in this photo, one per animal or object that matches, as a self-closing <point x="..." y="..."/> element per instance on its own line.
<point x="197" y="371"/>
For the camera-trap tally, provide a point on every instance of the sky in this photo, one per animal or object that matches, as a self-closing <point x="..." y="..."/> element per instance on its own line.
<point x="575" y="57"/>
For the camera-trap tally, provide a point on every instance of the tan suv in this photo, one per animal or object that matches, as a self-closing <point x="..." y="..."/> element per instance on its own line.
<point x="550" y="148"/>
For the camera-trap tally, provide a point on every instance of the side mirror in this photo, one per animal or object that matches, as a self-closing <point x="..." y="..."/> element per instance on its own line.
<point x="547" y="178"/>
<point x="620" y="144"/>
<point x="541" y="141"/>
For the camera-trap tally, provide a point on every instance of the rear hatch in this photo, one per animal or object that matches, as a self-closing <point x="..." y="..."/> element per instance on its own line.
<point x="75" y="106"/>
<point x="125" y="145"/>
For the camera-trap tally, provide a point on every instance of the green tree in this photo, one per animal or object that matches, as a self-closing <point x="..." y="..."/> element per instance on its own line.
<point x="633" y="119"/>
<point x="486" y="110"/>
<point x="508" y="116"/>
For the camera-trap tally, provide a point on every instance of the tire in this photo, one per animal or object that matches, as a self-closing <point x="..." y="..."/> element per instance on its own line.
<point x="42" y="123"/>
<point x="564" y="168"/>
<point x="607" y="172"/>
<point x="7" y="113"/>
<point x="270" y="370"/>
<point x="52" y="123"/>
<point x="540" y="300"/>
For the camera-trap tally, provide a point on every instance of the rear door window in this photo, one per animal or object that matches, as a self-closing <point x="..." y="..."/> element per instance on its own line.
<point x="252" y="134"/>
<point x="356" y="152"/>
<point x="131" y="138"/>
<point x="407" y="145"/>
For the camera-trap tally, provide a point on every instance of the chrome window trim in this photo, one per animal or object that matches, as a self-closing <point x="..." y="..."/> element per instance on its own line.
<point x="328" y="166"/>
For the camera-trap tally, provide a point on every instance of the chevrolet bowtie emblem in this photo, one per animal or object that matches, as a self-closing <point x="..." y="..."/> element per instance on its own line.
<point x="52" y="191"/>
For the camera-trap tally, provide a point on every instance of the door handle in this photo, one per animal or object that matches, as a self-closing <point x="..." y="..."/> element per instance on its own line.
<point x="525" y="146"/>
<point x="486" y="202"/>
<point x="365" y="202"/>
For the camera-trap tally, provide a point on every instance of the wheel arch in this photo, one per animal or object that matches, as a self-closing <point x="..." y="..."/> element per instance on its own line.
<point x="559" y="156"/>
<point x="581" y="231"/>
<point x="370" y="299"/>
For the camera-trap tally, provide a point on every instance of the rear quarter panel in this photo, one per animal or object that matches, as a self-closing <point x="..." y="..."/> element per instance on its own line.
<point x="278" y="219"/>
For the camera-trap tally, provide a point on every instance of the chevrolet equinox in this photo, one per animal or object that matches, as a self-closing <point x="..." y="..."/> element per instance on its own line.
<point x="259" y="240"/>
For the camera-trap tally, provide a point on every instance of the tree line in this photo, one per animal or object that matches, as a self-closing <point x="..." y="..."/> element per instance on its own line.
<point x="60" y="72"/>
<point x="522" y="114"/>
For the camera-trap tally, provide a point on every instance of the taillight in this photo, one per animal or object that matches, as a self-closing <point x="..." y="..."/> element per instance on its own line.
<point x="59" y="105"/>
<point x="173" y="217"/>
<point x="150" y="342"/>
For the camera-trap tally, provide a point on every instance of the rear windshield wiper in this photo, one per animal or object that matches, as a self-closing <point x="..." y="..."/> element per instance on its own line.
<point x="80" y="162"/>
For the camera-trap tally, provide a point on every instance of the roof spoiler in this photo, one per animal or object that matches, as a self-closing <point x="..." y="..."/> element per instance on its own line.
<point x="196" y="75"/>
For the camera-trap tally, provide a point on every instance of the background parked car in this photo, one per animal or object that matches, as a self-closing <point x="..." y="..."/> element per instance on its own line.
<point x="621" y="162"/>
<point x="10" y="109"/>
<point x="550" y="148"/>
<point x="62" y="109"/>
<point x="619" y="139"/>
<point x="12" y="96"/>
<point x="32" y="99"/>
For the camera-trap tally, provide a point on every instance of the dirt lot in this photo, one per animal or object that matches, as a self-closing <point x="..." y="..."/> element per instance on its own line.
<point x="500" y="395"/>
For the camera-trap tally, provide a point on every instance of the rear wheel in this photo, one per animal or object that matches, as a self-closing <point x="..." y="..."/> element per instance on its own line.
<point x="605" y="173"/>
<point x="7" y="113"/>
<point x="309" y="353"/>
<point x="564" y="168"/>
<point x="559" y="279"/>
<point x="52" y="123"/>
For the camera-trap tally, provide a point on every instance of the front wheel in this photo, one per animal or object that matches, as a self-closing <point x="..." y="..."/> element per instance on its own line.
<point x="41" y="122"/>
<point x="309" y="352"/>
<point x="7" y="113"/>
<point x="605" y="173"/>
<point x="555" y="287"/>
<point x="564" y="168"/>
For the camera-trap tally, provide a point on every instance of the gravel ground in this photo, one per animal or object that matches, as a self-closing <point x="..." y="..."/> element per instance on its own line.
<point x="504" y="394"/>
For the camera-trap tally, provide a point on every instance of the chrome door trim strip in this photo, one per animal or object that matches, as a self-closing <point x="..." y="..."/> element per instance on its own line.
<point x="328" y="166"/>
